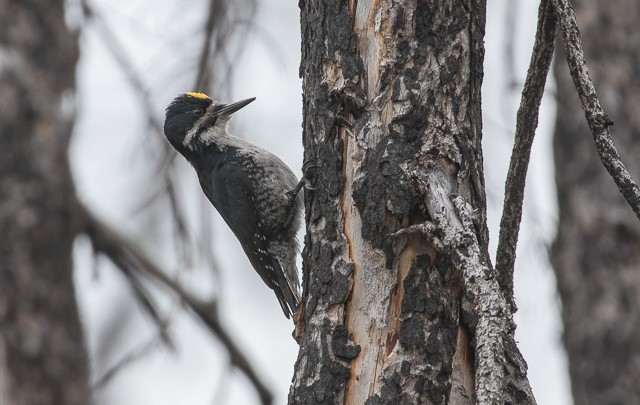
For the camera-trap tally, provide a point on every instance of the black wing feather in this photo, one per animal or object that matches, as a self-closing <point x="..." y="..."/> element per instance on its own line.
<point x="230" y="191"/>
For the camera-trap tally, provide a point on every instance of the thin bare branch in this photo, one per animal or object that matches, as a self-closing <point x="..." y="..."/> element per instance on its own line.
<point x="119" y="54"/>
<point x="182" y="230"/>
<point x="597" y="119"/>
<point x="106" y="239"/>
<point x="123" y="261"/>
<point x="221" y="29"/>
<point x="162" y="171"/>
<point x="202" y="76"/>
<point x="142" y="295"/>
<point x="526" y="124"/>
<point x="205" y="238"/>
<point x="136" y="354"/>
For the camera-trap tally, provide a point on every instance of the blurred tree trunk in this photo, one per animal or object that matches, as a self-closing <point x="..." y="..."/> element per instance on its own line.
<point x="42" y="355"/>
<point x="596" y="254"/>
<point x="389" y="88"/>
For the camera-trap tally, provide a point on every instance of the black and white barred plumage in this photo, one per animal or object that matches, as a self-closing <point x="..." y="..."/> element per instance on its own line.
<point x="249" y="186"/>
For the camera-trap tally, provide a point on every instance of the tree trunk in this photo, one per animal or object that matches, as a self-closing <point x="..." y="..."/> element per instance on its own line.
<point x="595" y="255"/>
<point x="393" y="88"/>
<point x="42" y="356"/>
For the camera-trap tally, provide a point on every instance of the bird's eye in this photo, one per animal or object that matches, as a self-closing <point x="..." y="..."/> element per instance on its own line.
<point x="198" y="112"/>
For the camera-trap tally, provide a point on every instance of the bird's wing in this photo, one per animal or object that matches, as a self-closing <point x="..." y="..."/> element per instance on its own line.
<point x="230" y="191"/>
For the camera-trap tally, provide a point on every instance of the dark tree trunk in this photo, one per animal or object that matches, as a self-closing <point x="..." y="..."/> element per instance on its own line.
<point x="596" y="255"/>
<point x="391" y="89"/>
<point x="42" y="356"/>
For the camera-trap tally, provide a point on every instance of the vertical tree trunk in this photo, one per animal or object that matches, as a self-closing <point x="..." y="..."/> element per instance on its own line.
<point x="596" y="255"/>
<point x="390" y="87"/>
<point x="42" y="356"/>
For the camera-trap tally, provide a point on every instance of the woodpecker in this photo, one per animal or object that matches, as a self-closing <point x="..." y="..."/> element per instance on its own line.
<point x="254" y="191"/>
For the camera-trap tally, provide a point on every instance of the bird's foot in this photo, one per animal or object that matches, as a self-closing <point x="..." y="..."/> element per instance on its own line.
<point x="308" y="180"/>
<point x="309" y="175"/>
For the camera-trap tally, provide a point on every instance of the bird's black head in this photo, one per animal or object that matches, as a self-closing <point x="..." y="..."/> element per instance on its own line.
<point x="190" y="118"/>
<point x="182" y="115"/>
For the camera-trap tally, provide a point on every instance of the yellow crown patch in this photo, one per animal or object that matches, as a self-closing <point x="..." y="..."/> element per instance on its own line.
<point x="197" y="95"/>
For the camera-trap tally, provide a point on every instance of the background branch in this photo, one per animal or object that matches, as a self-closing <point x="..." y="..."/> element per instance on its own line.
<point x="526" y="124"/>
<point x="119" y="54"/>
<point x="114" y="245"/>
<point x="597" y="119"/>
<point x="203" y="73"/>
<point x="130" y="358"/>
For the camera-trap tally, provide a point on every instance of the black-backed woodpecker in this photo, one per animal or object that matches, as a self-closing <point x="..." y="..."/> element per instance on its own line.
<point x="253" y="190"/>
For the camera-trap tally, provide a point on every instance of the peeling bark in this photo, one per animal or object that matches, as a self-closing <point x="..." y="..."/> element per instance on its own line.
<point x="391" y="86"/>
<point x="42" y="357"/>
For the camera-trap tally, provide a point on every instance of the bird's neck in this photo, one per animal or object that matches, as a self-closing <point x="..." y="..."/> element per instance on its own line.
<point x="206" y="157"/>
<point x="207" y="152"/>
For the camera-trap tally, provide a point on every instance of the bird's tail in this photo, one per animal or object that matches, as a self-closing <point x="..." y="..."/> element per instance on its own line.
<point x="289" y="286"/>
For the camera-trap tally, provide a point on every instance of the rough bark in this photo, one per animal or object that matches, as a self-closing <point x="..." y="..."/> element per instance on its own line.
<point x="526" y="124"/>
<point x="42" y="356"/>
<point x="393" y="87"/>
<point x="595" y="254"/>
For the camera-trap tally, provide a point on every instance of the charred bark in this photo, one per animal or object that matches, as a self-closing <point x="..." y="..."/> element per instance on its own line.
<point x="595" y="254"/>
<point x="392" y="115"/>
<point x="42" y="356"/>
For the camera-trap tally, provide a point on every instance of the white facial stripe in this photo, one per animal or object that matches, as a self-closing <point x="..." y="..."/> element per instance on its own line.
<point x="191" y="135"/>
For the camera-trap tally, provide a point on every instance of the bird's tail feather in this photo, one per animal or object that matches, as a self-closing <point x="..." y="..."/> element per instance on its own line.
<point x="290" y="288"/>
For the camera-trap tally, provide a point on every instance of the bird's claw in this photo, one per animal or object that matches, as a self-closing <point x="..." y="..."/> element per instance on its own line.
<point x="307" y="180"/>
<point x="309" y="177"/>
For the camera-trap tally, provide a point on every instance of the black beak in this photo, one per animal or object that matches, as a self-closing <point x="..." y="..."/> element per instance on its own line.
<point x="231" y="108"/>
